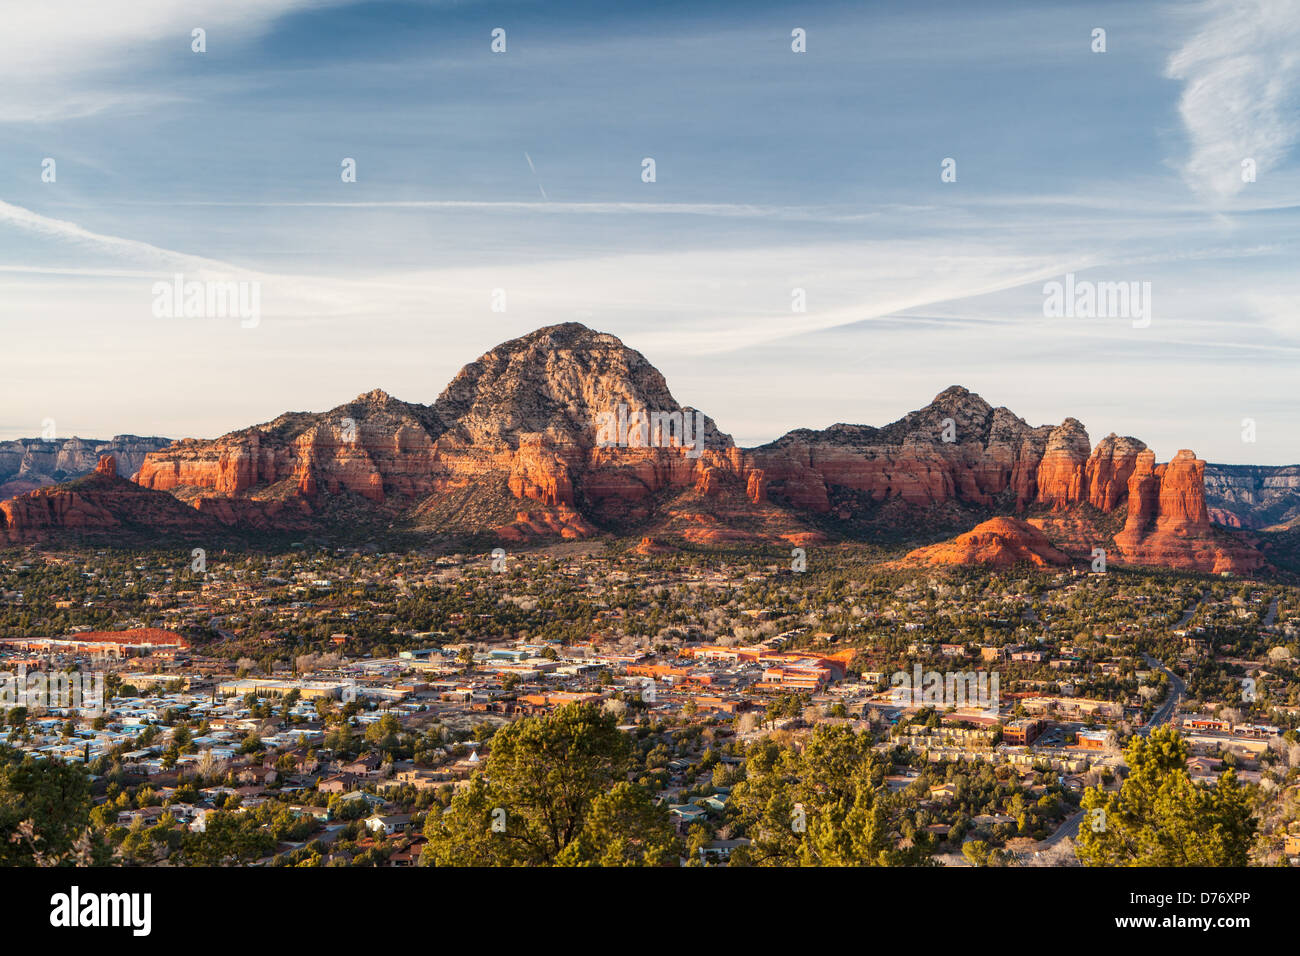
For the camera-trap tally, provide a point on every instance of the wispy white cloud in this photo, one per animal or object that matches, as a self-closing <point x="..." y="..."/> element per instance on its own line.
<point x="809" y="213"/>
<point x="1241" y="75"/>
<point x="63" y="230"/>
<point x="66" y="59"/>
<point x="107" y="256"/>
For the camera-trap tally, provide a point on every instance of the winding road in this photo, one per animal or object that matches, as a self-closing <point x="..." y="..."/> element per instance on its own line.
<point x="1069" y="828"/>
<point x="1177" y="691"/>
<point x="1163" y="714"/>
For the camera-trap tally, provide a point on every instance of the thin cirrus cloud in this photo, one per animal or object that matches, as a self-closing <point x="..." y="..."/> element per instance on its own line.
<point x="522" y="172"/>
<point x="72" y="39"/>
<point x="71" y="233"/>
<point x="690" y="311"/>
<point x="71" y="59"/>
<point x="90" y="254"/>
<point x="1240" y="71"/>
<point x="713" y="299"/>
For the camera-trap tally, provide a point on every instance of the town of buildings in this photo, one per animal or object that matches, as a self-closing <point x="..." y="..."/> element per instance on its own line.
<point x="352" y="693"/>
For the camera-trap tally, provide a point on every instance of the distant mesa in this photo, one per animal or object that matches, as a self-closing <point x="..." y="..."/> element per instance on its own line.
<point x="30" y="463"/>
<point x="1253" y="496"/>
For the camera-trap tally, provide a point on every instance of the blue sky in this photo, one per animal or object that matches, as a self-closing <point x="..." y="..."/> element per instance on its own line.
<point x="775" y="171"/>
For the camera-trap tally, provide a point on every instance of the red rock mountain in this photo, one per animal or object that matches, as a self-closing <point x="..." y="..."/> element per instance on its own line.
<point x="518" y="446"/>
<point x="100" y="504"/>
<point x="961" y="451"/>
<point x="958" y="448"/>
<point x="1168" y="524"/>
<point x="511" y="445"/>
<point x="999" y="542"/>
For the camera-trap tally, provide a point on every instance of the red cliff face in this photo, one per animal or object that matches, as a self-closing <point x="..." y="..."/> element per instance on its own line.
<point x="958" y="448"/>
<point x="38" y="514"/>
<point x="99" y="505"/>
<point x="995" y="460"/>
<point x="1112" y="463"/>
<point x="537" y="472"/>
<point x="371" y="447"/>
<point x="1182" y="494"/>
<point x="549" y="435"/>
<point x="1068" y="475"/>
<point x="1061" y="472"/>
<point x="1168" y="525"/>
<point x="524" y="421"/>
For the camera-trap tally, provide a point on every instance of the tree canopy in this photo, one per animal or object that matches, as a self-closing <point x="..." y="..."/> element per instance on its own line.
<point x="821" y="805"/>
<point x="553" y="791"/>
<point x="1159" y="817"/>
<point x="54" y="796"/>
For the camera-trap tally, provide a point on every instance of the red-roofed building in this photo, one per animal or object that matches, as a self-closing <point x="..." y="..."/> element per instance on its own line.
<point x="139" y="635"/>
<point x="137" y="641"/>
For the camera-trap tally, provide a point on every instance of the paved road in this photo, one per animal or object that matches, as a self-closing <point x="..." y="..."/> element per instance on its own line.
<point x="1069" y="828"/>
<point x="1177" y="691"/>
<point x="1271" y="616"/>
<point x="1189" y="614"/>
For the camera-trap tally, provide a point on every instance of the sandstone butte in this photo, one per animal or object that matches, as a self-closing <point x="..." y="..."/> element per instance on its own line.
<point x="99" y="502"/>
<point x="511" y="448"/>
<point x="999" y="542"/>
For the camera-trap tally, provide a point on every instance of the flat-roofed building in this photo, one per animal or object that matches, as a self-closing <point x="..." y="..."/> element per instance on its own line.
<point x="1022" y="732"/>
<point x="275" y="687"/>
